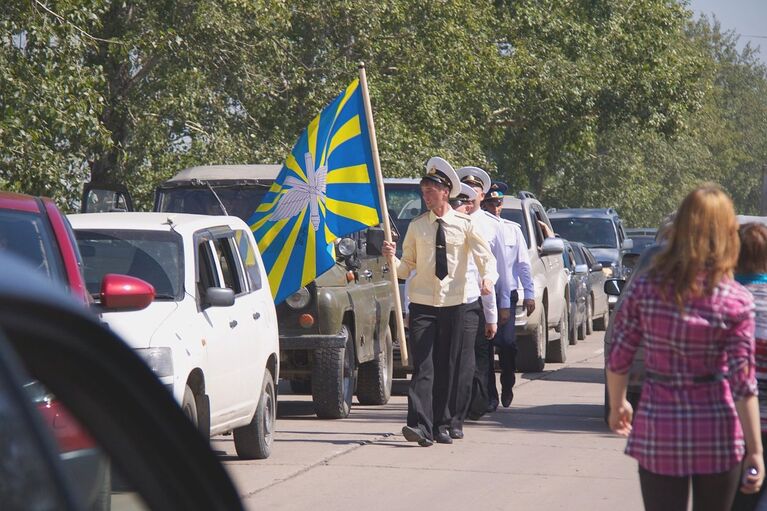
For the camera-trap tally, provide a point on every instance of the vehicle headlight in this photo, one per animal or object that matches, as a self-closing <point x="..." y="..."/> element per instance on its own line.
<point x="346" y="247"/>
<point x="608" y="271"/>
<point x="159" y="360"/>
<point x="299" y="299"/>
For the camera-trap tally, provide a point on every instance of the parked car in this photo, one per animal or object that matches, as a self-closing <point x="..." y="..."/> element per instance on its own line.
<point x="577" y="302"/>
<point x="534" y="344"/>
<point x="34" y="230"/>
<point x="337" y="333"/>
<point x="601" y="230"/>
<point x="210" y="335"/>
<point x="46" y="335"/>
<point x="598" y="310"/>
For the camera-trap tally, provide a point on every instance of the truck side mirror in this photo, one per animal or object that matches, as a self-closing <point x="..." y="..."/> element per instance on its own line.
<point x="219" y="297"/>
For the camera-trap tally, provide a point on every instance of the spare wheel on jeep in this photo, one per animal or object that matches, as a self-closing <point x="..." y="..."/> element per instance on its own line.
<point x="375" y="377"/>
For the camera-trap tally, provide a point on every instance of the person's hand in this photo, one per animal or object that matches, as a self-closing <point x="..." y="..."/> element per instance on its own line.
<point x="487" y="287"/>
<point x="752" y="483"/>
<point x="389" y="248"/>
<point x="620" y="418"/>
<point x="490" y="330"/>
<point x="504" y="315"/>
<point x="529" y="304"/>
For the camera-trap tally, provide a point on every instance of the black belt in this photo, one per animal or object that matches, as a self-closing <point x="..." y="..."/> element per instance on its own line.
<point x="668" y="378"/>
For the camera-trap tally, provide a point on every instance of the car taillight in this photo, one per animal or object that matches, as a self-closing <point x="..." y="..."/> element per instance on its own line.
<point x="68" y="433"/>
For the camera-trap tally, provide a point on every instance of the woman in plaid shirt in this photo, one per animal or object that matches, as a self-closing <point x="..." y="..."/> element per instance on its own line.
<point x="696" y="325"/>
<point x="752" y="273"/>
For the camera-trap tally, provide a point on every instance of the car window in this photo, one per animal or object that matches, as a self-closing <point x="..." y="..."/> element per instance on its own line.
<point x="225" y="255"/>
<point x="26" y="235"/>
<point x="592" y="232"/>
<point x="249" y="259"/>
<point x="578" y="255"/>
<point x="404" y="203"/>
<point x="206" y="269"/>
<point x="153" y="256"/>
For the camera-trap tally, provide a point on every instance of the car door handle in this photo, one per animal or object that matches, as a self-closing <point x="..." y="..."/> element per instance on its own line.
<point x="233" y="323"/>
<point x="256" y="315"/>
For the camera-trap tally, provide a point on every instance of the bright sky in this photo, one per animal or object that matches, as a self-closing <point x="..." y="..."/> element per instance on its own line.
<point x="747" y="17"/>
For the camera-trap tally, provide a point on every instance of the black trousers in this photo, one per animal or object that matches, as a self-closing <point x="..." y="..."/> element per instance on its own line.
<point x="433" y="333"/>
<point x="464" y="366"/>
<point x="710" y="492"/>
<point x="505" y="343"/>
<point x="483" y="353"/>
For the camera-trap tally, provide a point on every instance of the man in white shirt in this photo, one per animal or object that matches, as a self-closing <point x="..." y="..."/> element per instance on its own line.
<point x="490" y="229"/>
<point x="520" y="279"/>
<point x="438" y="246"/>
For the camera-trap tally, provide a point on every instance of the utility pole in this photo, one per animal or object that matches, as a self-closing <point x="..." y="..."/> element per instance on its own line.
<point x="763" y="199"/>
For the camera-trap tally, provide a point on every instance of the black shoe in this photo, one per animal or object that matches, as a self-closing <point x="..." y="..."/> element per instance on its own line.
<point x="493" y="406"/>
<point x="456" y="433"/>
<point x="443" y="438"/>
<point x="416" y="435"/>
<point x="507" y="398"/>
<point x="475" y="416"/>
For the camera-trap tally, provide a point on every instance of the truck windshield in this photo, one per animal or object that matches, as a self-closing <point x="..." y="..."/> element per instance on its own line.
<point x="153" y="256"/>
<point x="592" y="232"/>
<point x="404" y="203"/>
<point x="240" y="201"/>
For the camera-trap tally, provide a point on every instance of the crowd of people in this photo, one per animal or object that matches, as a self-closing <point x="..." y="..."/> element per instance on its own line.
<point x="467" y="267"/>
<point x="697" y="306"/>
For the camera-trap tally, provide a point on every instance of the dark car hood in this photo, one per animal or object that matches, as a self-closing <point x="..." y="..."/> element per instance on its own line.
<point x="606" y="255"/>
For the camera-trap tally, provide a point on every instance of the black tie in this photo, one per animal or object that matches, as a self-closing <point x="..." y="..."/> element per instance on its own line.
<point x="441" y="267"/>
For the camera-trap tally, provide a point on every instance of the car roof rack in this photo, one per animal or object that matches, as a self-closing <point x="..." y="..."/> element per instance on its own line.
<point x="526" y="195"/>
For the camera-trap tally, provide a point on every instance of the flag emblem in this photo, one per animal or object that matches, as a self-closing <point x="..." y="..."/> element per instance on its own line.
<point x="325" y="190"/>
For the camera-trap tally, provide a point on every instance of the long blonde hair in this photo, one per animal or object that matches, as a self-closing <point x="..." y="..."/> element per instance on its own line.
<point x="703" y="241"/>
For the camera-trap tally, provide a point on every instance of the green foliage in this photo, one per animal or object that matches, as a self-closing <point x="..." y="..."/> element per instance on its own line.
<point x="623" y="103"/>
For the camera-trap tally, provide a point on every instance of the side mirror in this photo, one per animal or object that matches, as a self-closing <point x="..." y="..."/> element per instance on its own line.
<point x="219" y="297"/>
<point x="552" y="246"/>
<point x="613" y="287"/>
<point x="123" y="292"/>
<point x="596" y="267"/>
<point x="627" y="244"/>
<point x="375" y="239"/>
<point x="581" y="268"/>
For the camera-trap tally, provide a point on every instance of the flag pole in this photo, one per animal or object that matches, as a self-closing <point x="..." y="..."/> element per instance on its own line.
<point x="384" y="216"/>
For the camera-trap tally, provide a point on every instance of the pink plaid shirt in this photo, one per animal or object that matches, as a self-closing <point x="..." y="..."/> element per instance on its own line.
<point x="684" y="427"/>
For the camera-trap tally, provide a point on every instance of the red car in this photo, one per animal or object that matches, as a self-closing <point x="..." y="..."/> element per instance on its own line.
<point x="36" y="231"/>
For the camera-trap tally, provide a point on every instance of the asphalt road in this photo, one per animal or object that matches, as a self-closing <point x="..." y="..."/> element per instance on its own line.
<point x="549" y="451"/>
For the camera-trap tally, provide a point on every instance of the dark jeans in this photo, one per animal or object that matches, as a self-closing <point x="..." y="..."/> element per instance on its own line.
<point x="483" y="353"/>
<point x="505" y="343"/>
<point x="433" y="333"/>
<point x="710" y="492"/>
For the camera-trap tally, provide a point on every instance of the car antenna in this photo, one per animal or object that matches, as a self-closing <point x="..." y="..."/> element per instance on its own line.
<point x="221" y="204"/>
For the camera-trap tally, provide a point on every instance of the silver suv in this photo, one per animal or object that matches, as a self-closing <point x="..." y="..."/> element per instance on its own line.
<point x="535" y="346"/>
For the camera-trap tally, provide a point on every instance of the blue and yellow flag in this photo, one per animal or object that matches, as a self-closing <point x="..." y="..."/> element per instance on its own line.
<point x="326" y="189"/>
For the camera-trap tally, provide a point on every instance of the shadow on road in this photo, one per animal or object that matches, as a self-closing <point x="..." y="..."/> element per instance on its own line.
<point x="575" y="374"/>
<point x="570" y="418"/>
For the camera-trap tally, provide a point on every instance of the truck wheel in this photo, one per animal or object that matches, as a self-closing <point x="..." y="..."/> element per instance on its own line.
<point x="556" y="351"/>
<point x="254" y="441"/>
<point x="601" y="323"/>
<point x="375" y="377"/>
<point x="334" y="377"/>
<point x="531" y="348"/>
<point x="189" y="406"/>
<point x="301" y="386"/>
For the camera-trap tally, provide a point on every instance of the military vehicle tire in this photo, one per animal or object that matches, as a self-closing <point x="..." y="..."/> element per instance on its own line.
<point x="375" y="377"/>
<point x="334" y="378"/>
<point x="556" y="350"/>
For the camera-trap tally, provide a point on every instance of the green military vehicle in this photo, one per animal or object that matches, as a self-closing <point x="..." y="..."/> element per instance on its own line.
<point x="337" y="333"/>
